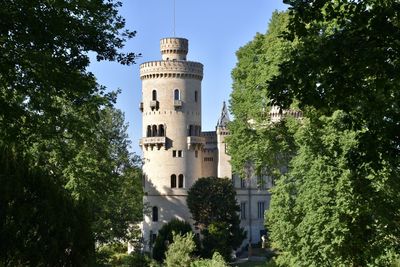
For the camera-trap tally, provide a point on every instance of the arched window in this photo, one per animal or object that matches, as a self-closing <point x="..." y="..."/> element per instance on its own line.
<point x="195" y="96"/>
<point x="148" y="134"/>
<point x="173" y="181"/>
<point x="154" y="132"/>
<point x="177" y="95"/>
<point x="161" y="131"/>
<point x="180" y="181"/>
<point x="154" y="95"/>
<point x="155" y="214"/>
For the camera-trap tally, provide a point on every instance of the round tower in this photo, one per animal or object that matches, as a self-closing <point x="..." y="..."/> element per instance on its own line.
<point x="171" y="141"/>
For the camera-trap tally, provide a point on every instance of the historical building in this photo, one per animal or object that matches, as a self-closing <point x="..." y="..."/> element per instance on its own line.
<point x="177" y="152"/>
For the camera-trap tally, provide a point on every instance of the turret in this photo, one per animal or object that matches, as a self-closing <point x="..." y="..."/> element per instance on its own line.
<point x="224" y="166"/>
<point x="174" y="48"/>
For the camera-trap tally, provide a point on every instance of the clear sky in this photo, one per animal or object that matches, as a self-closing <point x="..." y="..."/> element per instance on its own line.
<point x="215" y="30"/>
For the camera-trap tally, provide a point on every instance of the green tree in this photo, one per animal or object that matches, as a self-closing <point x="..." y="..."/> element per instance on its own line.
<point x="166" y="234"/>
<point x="179" y="252"/>
<point x="344" y="75"/>
<point x="216" y="261"/>
<point x="54" y="112"/>
<point x="212" y="203"/>
<point x="104" y="173"/>
<point x="253" y="138"/>
<point x="40" y="224"/>
<point x="46" y="90"/>
<point x="336" y="205"/>
<point x="322" y="212"/>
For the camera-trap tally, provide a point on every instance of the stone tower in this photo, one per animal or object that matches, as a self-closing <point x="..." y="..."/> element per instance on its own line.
<point x="172" y="142"/>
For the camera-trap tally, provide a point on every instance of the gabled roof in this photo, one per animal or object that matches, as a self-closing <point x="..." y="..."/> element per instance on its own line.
<point x="224" y="118"/>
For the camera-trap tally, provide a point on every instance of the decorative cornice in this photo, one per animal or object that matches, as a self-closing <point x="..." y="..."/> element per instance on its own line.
<point x="171" y="69"/>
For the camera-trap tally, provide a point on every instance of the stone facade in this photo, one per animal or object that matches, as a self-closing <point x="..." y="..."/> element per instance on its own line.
<point x="175" y="150"/>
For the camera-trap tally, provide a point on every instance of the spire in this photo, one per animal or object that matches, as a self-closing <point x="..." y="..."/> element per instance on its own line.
<point x="224" y="118"/>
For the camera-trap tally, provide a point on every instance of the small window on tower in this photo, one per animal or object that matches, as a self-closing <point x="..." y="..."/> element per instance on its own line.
<point x="196" y="153"/>
<point x="154" y="130"/>
<point x="180" y="181"/>
<point x="173" y="181"/>
<point x="154" y="95"/>
<point x="179" y="153"/>
<point x="155" y="214"/>
<point x="177" y="95"/>
<point x="195" y="96"/>
<point x="190" y="130"/>
<point x="148" y="134"/>
<point x="161" y="131"/>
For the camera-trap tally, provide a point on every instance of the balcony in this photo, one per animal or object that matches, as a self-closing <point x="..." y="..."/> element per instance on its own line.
<point x="154" y="104"/>
<point x="178" y="103"/>
<point x="195" y="142"/>
<point x="158" y="141"/>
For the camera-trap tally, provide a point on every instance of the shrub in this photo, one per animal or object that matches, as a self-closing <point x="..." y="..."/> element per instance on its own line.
<point x="165" y="234"/>
<point x="179" y="252"/>
<point x="216" y="261"/>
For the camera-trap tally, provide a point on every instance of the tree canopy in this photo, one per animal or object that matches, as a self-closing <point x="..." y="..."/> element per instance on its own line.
<point x="55" y="114"/>
<point x="335" y="203"/>
<point x="212" y="203"/>
<point x="253" y="140"/>
<point x="40" y="223"/>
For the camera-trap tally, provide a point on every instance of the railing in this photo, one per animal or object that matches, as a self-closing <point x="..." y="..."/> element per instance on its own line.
<point x="153" y="141"/>
<point x="178" y="103"/>
<point x="154" y="104"/>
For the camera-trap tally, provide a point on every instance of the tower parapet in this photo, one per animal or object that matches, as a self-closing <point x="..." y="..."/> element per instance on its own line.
<point x="174" y="48"/>
<point x="171" y="69"/>
<point x="173" y="63"/>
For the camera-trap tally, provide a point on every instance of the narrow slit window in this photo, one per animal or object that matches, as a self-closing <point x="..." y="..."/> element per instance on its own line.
<point x="154" y="95"/>
<point x="155" y="214"/>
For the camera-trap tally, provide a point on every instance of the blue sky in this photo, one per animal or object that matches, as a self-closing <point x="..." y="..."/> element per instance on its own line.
<point x="215" y="30"/>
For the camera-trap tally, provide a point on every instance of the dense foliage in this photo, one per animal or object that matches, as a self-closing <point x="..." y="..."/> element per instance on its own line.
<point x="180" y="253"/>
<point x="165" y="236"/>
<point x="212" y="203"/>
<point x="336" y="202"/>
<point x="216" y="261"/>
<point x="115" y="254"/>
<point x="54" y="114"/>
<point x="255" y="142"/>
<point x="40" y="223"/>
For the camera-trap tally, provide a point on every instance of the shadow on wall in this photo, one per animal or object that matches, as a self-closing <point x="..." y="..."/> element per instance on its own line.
<point x="174" y="201"/>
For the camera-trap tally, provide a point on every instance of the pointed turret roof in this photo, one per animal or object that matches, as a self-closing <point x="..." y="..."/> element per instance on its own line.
<point x="224" y="118"/>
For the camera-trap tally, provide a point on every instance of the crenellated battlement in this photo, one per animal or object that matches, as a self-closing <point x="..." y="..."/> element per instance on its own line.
<point x="168" y="69"/>
<point x="174" y="44"/>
